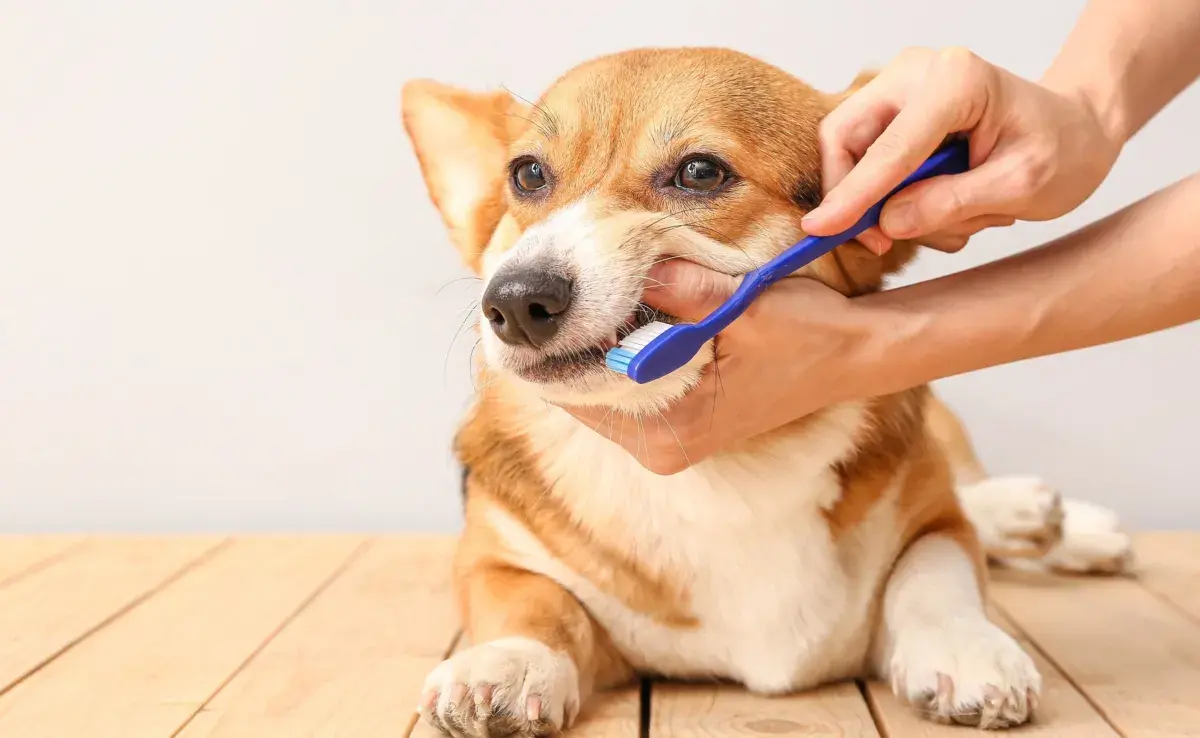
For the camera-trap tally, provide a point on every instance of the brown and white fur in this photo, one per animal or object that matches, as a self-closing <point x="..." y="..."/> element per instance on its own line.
<point x="845" y="544"/>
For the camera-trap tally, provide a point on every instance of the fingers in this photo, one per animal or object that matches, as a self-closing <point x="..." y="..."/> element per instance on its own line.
<point x="956" y="237"/>
<point x="687" y="290"/>
<point x="941" y="203"/>
<point x="951" y="98"/>
<point x="662" y="444"/>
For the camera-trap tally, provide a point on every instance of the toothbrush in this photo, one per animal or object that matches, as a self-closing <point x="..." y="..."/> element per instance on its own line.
<point x="657" y="349"/>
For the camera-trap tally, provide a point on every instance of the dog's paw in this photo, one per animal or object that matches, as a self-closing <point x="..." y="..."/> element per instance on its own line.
<point x="966" y="671"/>
<point x="1014" y="516"/>
<point x="1093" y="542"/>
<point x="506" y="687"/>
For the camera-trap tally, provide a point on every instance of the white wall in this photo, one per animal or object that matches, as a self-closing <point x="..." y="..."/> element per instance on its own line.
<point x="219" y="273"/>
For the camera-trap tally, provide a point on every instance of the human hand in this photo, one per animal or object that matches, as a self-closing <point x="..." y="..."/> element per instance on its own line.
<point x="799" y="347"/>
<point x="1036" y="152"/>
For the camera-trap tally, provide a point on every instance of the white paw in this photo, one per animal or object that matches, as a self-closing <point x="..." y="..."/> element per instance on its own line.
<point x="1014" y="516"/>
<point x="1093" y="542"/>
<point x="967" y="671"/>
<point x="506" y="687"/>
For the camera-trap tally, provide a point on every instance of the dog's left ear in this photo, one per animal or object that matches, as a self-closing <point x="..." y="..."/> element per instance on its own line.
<point x="461" y="140"/>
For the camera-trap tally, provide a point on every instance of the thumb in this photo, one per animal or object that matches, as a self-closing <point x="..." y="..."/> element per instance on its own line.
<point x="940" y="203"/>
<point x="687" y="290"/>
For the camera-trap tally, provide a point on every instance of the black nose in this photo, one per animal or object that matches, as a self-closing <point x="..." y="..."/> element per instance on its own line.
<point x="524" y="305"/>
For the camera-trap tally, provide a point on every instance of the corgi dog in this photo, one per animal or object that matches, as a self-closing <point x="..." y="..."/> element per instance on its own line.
<point x="850" y="543"/>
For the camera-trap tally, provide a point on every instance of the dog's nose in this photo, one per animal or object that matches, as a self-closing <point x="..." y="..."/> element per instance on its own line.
<point x="524" y="306"/>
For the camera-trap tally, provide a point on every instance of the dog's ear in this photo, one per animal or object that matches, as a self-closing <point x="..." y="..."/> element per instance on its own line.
<point x="461" y="140"/>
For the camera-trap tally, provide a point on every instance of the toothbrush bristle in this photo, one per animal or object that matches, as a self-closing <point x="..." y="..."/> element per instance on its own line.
<point x="638" y="339"/>
<point x="619" y="357"/>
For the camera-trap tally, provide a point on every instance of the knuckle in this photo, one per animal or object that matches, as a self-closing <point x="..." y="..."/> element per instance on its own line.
<point x="890" y="147"/>
<point x="1032" y="171"/>
<point x="914" y="54"/>
<point x="958" y="58"/>
<point x="963" y="69"/>
<point x="954" y="204"/>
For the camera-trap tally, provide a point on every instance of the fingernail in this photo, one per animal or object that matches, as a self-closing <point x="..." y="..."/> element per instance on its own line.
<point x="812" y="217"/>
<point x="875" y="242"/>
<point x="900" y="220"/>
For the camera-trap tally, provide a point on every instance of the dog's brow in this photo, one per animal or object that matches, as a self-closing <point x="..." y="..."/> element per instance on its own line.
<point x="547" y="123"/>
<point x="666" y="131"/>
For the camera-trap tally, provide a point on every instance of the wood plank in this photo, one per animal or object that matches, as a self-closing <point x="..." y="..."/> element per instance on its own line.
<point x="20" y="555"/>
<point x="698" y="711"/>
<point x="1063" y="711"/>
<point x="46" y="612"/>
<point x="1169" y="564"/>
<point x="614" y="714"/>
<point x="1134" y="656"/>
<point x="148" y="672"/>
<point x="353" y="662"/>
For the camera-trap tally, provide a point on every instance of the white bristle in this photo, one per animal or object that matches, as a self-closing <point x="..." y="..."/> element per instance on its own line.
<point x="644" y="335"/>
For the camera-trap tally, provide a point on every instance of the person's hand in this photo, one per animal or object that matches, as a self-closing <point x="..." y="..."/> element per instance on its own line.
<point x="799" y="347"/>
<point x="1036" y="152"/>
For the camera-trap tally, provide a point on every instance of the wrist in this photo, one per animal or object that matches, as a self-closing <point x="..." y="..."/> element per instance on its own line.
<point x="1098" y="88"/>
<point x="890" y="352"/>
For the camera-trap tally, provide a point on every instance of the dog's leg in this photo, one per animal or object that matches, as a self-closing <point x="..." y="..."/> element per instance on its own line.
<point x="937" y="646"/>
<point x="1015" y="516"/>
<point x="537" y="655"/>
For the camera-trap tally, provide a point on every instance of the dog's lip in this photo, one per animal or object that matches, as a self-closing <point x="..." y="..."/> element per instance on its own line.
<point x="574" y="363"/>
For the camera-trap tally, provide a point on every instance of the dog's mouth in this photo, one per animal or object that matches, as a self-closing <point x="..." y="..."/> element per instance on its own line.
<point x="576" y="364"/>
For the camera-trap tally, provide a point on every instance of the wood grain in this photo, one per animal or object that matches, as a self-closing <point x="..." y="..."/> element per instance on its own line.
<point x="698" y="711"/>
<point x="1169" y="565"/>
<point x="322" y="636"/>
<point x="20" y="556"/>
<point x="353" y="662"/>
<point x="148" y="672"/>
<point x="47" y="611"/>
<point x="1136" y="657"/>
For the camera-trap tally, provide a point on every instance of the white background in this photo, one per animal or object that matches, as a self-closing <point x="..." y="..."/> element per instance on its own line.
<point x="220" y="274"/>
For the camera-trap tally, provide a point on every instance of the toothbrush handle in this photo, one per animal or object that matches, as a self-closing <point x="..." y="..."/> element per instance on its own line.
<point x="952" y="158"/>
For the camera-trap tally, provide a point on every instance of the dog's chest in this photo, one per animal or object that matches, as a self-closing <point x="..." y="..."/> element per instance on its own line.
<point x="778" y="602"/>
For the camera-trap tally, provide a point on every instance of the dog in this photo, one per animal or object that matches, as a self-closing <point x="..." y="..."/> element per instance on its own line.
<point x="850" y="543"/>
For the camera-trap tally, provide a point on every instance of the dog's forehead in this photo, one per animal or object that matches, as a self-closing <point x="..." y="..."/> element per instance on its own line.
<point x="658" y="95"/>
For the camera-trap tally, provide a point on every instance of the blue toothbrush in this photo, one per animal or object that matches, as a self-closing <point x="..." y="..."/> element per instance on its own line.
<point x="658" y="349"/>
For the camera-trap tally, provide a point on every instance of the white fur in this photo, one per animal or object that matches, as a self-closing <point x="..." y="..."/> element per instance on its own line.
<point x="506" y="685"/>
<point x="1028" y="525"/>
<point x="1020" y="516"/>
<point x="1092" y="542"/>
<point x="780" y="604"/>
<point x="939" y="649"/>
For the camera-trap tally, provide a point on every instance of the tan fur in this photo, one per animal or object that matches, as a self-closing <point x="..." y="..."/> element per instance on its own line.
<point x="567" y="541"/>
<point x="950" y="433"/>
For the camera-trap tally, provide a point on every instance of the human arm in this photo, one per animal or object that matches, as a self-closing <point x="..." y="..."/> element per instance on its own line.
<point x="1037" y="150"/>
<point x="803" y="346"/>
<point x="1132" y="273"/>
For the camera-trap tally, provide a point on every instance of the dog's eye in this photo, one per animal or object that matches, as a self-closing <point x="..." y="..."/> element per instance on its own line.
<point x="529" y="176"/>
<point x="700" y="175"/>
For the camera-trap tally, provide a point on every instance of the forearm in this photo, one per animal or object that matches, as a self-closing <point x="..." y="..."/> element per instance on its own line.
<point x="1135" y="272"/>
<point x="1128" y="59"/>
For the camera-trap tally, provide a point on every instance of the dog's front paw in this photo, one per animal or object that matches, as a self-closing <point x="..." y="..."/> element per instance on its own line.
<point x="1014" y="516"/>
<point x="506" y="687"/>
<point x="966" y="671"/>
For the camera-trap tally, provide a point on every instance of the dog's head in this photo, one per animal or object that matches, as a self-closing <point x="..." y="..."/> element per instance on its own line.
<point x="563" y="205"/>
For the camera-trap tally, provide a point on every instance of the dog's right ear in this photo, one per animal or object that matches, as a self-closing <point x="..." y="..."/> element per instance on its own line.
<point x="461" y="140"/>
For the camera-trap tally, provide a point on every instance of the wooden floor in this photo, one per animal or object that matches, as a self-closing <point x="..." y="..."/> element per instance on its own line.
<point x="332" y="636"/>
